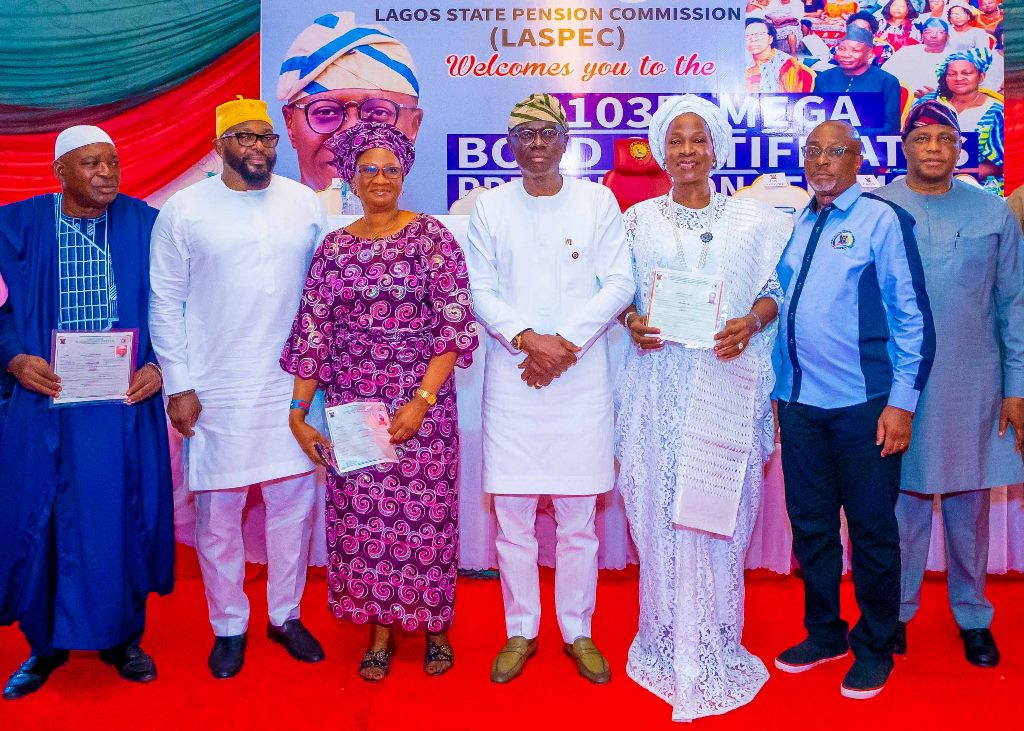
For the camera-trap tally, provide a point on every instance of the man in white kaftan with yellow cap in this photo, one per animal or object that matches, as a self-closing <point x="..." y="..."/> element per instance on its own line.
<point x="549" y="270"/>
<point x="335" y="73"/>
<point x="228" y="259"/>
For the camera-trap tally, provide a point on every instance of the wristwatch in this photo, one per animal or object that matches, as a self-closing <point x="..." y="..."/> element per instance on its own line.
<point x="427" y="396"/>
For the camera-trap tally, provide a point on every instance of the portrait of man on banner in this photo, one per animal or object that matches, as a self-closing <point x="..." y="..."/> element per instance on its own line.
<point x="338" y="72"/>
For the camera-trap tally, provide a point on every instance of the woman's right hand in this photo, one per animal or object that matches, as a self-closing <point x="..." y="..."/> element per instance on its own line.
<point x="644" y="337"/>
<point x="307" y="437"/>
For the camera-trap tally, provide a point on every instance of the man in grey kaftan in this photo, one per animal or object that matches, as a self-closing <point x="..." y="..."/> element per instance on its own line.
<point x="967" y="432"/>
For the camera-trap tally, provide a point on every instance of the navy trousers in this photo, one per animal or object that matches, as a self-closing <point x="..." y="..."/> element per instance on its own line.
<point x="830" y="461"/>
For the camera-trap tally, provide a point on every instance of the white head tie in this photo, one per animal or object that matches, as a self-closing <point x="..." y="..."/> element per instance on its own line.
<point x="78" y="136"/>
<point x="714" y="118"/>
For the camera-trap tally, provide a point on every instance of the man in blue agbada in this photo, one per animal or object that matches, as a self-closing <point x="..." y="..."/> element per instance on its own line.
<point x="86" y="529"/>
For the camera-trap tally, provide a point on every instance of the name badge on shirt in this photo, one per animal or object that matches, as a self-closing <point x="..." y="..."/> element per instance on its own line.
<point x="870" y="182"/>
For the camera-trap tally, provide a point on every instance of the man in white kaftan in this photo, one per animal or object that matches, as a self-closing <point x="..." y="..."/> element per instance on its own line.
<point x="228" y="261"/>
<point x="549" y="270"/>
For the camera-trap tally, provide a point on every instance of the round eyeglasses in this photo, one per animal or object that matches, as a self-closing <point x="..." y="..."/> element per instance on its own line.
<point x="527" y="135"/>
<point x="325" y="116"/>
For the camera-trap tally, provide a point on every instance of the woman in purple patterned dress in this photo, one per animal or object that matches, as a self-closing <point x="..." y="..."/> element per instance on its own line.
<point x="386" y="315"/>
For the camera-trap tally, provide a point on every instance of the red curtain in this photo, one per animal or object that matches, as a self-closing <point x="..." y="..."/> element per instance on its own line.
<point x="157" y="141"/>
<point x="1013" y="171"/>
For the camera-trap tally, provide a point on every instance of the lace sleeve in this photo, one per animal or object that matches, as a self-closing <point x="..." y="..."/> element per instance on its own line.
<point x="631" y="222"/>
<point x="772" y="289"/>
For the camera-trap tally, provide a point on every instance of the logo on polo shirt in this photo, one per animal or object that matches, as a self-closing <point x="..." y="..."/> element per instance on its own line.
<point x="843" y="240"/>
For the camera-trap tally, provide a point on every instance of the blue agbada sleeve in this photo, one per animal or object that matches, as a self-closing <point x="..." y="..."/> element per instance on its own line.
<point x="10" y="343"/>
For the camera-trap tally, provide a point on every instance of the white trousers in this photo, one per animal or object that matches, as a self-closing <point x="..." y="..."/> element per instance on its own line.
<point x="289" y="503"/>
<point x="575" y="563"/>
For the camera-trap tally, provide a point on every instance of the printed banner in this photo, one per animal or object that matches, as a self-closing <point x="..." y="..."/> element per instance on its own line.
<point x="448" y="74"/>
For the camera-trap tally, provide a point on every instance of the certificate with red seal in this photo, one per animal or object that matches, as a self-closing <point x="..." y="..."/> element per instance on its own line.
<point x="93" y="366"/>
<point x="359" y="437"/>
<point x="686" y="307"/>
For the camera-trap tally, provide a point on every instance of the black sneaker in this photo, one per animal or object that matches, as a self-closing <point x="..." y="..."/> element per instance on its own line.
<point x="808" y="654"/>
<point x="899" y="643"/>
<point x="866" y="678"/>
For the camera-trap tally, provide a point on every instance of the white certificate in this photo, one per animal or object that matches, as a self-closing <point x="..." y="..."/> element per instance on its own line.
<point x="686" y="307"/>
<point x="359" y="434"/>
<point x="93" y="366"/>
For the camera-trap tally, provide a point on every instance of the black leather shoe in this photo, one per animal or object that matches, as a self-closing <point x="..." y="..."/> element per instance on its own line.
<point x="899" y="644"/>
<point x="295" y="638"/>
<point x="227" y="656"/>
<point x="33" y="674"/>
<point x="131" y="662"/>
<point x="980" y="647"/>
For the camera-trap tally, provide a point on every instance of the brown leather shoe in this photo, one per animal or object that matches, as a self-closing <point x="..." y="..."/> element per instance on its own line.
<point x="589" y="660"/>
<point x="513" y="656"/>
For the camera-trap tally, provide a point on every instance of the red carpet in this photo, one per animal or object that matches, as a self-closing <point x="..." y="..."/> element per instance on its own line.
<point x="933" y="687"/>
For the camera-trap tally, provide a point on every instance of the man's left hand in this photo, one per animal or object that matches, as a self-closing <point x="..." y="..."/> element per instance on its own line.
<point x="894" y="426"/>
<point x="1012" y="413"/>
<point x="146" y="382"/>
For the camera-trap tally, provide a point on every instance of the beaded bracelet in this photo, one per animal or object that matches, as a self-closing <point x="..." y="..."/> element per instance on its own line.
<point x="298" y="404"/>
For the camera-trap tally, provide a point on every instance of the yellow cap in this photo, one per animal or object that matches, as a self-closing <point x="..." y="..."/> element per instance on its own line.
<point x="241" y="110"/>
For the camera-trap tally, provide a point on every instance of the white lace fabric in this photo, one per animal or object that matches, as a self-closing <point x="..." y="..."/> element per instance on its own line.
<point x="687" y="650"/>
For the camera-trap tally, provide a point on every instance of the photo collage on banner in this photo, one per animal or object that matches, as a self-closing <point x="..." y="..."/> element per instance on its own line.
<point x="447" y="74"/>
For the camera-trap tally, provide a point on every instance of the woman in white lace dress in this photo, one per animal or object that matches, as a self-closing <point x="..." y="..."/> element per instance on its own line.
<point x="697" y="420"/>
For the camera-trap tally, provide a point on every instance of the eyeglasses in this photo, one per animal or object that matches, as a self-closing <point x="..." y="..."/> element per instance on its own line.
<point x="813" y="152"/>
<point x="391" y="172"/>
<point x="325" y="116"/>
<point x="757" y="36"/>
<point x="527" y="135"/>
<point x="249" y="139"/>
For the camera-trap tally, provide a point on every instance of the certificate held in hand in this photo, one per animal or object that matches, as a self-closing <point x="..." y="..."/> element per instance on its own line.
<point x="93" y="366"/>
<point x="686" y="307"/>
<point x="359" y="437"/>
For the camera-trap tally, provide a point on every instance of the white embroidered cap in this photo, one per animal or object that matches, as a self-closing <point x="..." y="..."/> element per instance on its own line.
<point x="78" y="136"/>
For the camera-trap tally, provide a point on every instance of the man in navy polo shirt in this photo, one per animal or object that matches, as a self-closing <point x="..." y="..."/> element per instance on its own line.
<point x="855" y="347"/>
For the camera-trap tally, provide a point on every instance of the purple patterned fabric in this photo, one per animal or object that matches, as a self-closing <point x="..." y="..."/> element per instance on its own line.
<point x="930" y="112"/>
<point x="373" y="314"/>
<point x="350" y="143"/>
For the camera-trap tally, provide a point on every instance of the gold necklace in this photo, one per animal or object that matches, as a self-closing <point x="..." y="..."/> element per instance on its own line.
<point x="387" y="227"/>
